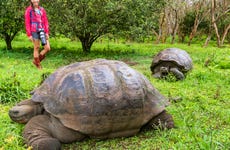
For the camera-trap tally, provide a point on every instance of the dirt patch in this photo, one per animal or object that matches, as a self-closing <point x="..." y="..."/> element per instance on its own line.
<point x="129" y="62"/>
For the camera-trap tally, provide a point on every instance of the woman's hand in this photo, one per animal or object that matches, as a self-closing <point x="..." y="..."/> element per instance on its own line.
<point x="47" y="36"/>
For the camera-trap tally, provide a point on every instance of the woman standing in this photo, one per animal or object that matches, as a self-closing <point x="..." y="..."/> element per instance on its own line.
<point x="36" y="24"/>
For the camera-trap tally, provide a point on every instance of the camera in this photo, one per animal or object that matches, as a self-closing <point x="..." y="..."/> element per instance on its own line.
<point x="42" y="36"/>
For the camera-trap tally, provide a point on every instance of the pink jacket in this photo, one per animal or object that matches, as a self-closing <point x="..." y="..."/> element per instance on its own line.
<point x="35" y="21"/>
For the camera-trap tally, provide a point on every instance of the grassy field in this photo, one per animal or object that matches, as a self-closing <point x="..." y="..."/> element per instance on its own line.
<point x="202" y="117"/>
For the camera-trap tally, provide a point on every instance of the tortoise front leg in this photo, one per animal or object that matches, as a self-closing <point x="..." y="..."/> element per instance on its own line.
<point x="161" y="121"/>
<point x="38" y="135"/>
<point x="178" y="74"/>
<point x="45" y="132"/>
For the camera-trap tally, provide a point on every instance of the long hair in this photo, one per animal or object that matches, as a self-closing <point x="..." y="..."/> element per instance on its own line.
<point x="31" y="4"/>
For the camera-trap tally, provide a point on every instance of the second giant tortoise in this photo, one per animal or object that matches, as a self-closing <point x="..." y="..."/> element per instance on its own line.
<point x="171" y="60"/>
<point x="97" y="99"/>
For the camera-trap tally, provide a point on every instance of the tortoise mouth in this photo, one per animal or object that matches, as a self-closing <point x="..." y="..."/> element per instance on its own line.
<point x="21" y="114"/>
<point x="17" y="117"/>
<point x="22" y="119"/>
<point x="164" y="74"/>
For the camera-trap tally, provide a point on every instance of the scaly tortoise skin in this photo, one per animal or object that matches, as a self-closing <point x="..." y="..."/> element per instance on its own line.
<point x="171" y="60"/>
<point x="98" y="99"/>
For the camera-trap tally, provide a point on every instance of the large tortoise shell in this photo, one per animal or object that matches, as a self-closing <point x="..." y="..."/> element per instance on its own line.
<point x="100" y="96"/>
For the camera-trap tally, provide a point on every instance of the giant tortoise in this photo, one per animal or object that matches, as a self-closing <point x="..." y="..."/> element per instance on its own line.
<point x="96" y="99"/>
<point x="171" y="60"/>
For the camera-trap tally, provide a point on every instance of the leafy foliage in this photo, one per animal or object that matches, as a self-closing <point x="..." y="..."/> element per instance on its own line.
<point x="12" y="19"/>
<point x="88" y="20"/>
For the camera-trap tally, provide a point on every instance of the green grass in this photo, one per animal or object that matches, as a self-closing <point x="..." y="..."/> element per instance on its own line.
<point x="202" y="117"/>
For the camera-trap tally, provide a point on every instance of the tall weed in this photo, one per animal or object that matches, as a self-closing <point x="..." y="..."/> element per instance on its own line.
<point x="11" y="90"/>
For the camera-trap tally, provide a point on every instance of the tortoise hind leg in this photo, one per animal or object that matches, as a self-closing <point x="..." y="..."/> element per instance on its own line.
<point x="161" y="121"/>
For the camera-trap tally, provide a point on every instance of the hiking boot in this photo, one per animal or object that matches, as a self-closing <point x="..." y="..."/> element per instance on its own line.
<point x="41" y="57"/>
<point x="36" y="62"/>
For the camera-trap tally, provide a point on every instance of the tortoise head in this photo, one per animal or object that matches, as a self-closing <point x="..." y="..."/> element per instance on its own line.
<point x="160" y="71"/>
<point x="164" y="71"/>
<point x="25" y="110"/>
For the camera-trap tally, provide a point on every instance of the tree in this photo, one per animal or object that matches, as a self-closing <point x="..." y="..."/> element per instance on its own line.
<point x="89" y="19"/>
<point x="218" y="11"/>
<point x="185" y="25"/>
<point x="146" y="20"/>
<point x="175" y="18"/>
<point x="174" y="13"/>
<point x="201" y="12"/>
<point x="12" y="19"/>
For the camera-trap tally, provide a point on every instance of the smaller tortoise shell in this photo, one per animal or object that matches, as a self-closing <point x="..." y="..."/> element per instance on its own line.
<point x="180" y="57"/>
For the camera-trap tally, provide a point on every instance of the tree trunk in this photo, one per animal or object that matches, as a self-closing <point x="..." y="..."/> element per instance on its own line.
<point x="194" y="30"/>
<point x="174" y="32"/>
<point x="224" y="34"/>
<point x="86" y="45"/>
<point x="157" y="37"/>
<point x="214" y="22"/>
<point x="198" y="18"/>
<point x="161" y="22"/>
<point x="209" y="35"/>
<point x="8" y="41"/>
<point x="207" y="40"/>
<point x="217" y="33"/>
<point x="87" y="41"/>
<point x="174" y="35"/>
<point x="181" y="37"/>
<point x="175" y="27"/>
<point x="9" y="45"/>
<point x="215" y="18"/>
